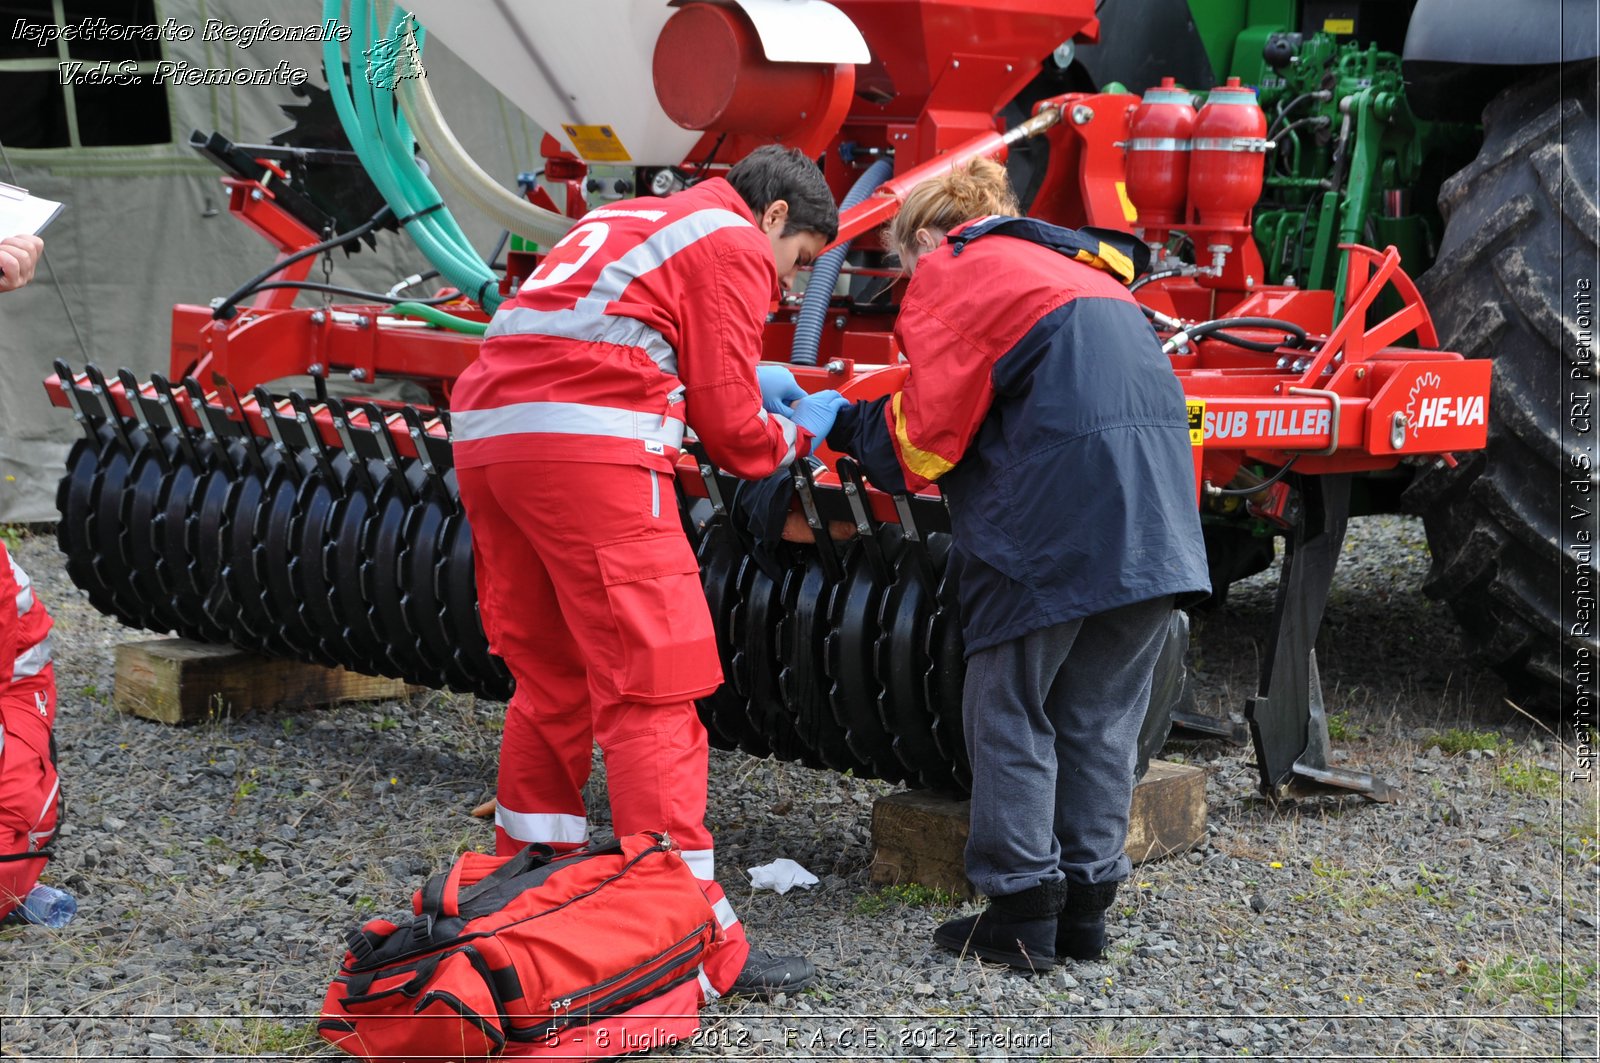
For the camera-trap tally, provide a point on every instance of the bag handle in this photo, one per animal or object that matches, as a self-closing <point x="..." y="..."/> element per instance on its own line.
<point x="442" y="897"/>
<point x="449" y="890"/>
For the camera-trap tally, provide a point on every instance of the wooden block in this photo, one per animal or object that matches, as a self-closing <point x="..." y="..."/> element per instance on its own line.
<point x="921" y="837"/>
<point x="178" y="681"/>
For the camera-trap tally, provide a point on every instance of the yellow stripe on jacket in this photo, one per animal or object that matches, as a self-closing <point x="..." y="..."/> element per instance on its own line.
<point x="923" y="463"/>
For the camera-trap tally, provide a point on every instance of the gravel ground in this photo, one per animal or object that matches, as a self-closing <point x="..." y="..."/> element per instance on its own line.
<point x="218" y="867"/>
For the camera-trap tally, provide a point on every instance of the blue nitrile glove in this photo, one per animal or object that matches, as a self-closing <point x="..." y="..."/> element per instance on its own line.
<point x="778" y="388"/>
<point x="815" y="413"/>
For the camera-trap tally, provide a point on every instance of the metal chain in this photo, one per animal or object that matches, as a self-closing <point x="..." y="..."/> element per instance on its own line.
<point x="327" y="268"/>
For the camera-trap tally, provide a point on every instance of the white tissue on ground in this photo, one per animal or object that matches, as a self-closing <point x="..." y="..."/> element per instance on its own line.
<point x="781" y="875"/>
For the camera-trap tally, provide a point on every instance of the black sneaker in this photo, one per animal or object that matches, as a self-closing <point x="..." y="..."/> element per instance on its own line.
<point x="766" y="975"/>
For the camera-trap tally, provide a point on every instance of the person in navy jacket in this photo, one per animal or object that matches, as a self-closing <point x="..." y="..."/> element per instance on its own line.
<point x="1039" y="400"/>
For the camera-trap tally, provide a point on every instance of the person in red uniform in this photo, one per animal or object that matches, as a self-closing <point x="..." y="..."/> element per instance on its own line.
<point x="644" y="321"/>
<point x="29" y="794"/>
<point x="1039" y="400"/>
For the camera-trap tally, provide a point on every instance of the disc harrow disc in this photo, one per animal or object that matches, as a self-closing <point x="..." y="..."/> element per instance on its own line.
<point x="273" y="554"/>
<point x="341" y="563"/>
<point x="853" y="687"/>
<point x="946" y="653"/>
<point x="801" y="680"/>
<point x="723" y="711"/>
<point x="180" y="499"/>
<point x="75" y="503"/>
<point x="421" y="534"/>
<point x="139" y="550"/>
<point x="457" y="590"/>
<point x="901" y="666"/>
<point x="104" y="532"/>
<point x="380" y="580"/>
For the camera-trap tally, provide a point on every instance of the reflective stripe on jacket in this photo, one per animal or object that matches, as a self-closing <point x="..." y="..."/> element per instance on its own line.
<point x="1040" y="401"/>
<point x="646" y="317"/>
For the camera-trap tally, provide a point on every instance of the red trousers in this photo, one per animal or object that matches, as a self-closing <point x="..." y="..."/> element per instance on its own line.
<point x="590" y="593"/>
<point x="29" y="796"/>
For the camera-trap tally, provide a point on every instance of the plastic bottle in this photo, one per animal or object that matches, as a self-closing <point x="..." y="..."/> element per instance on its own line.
<point x="47" y="906"/>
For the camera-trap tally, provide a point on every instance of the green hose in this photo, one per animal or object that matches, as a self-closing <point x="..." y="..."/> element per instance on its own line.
<point x="386" y="151"/>
<point x="433" y="315"/>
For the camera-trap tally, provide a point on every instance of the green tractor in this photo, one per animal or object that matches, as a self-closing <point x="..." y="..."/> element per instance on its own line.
<point x="1465" y="136"/>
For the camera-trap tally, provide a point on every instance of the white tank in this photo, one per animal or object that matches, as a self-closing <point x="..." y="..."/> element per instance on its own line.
<point x="586" y="64"/>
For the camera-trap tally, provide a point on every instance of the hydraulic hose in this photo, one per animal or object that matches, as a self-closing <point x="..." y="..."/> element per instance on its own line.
<point x="351" y="293"/>
<point x="1295" y="336"/>
<point x="443" y="318"/>
<point x="462" y="172"/>
<point x="825" y="272"/>
<point x="1245" y="492"/>
<point x="224" y="309"/>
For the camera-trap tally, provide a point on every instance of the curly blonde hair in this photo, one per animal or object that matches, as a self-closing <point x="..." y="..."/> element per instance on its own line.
<point x="975" y="189"/>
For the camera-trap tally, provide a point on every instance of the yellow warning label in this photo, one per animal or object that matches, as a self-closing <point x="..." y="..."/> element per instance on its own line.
<point x="1338" y="25"/>
<point x="1197" y="422"/>
<point x="1129" y="211"/>
<point x="597" y="143"/>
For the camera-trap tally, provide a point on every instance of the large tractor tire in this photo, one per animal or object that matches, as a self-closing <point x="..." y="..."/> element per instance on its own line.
<point x="1520" y="228"/>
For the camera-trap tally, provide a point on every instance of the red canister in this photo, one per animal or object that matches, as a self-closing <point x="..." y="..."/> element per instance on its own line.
<point x="1158" y="159"/>
<point x="1227" y="162"/>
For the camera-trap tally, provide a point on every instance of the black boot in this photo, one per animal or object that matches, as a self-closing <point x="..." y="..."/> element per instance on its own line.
<point x="1017" y="930"/>
<point x="1081" y="930"/>
<point x="765" y="975"/>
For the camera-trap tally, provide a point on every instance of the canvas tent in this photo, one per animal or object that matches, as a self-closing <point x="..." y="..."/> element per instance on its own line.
<point x="146" y="224"/>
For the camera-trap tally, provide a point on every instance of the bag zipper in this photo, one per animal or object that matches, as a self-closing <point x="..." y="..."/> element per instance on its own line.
<point x="591" y="1010"/>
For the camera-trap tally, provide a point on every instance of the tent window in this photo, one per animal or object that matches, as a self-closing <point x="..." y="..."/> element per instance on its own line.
<point x="80" y="93"/>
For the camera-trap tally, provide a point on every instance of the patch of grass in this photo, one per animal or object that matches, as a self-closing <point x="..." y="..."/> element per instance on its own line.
<point x="1556" y="987"/>
<point x="385" y="723"/>
<point x="1365" y="897"/>
<point x="1583" y="834"/>
<point x="12" y="535"/>
<point x="1340" y="728"/>
<point x="255" y="1035"/>
<point x="1525" y="778"/>
<point x="909" y="895"/>
<point x="1456" y="741"/>
<point x="1112" y="1042"/>
<point x="1430" y="887"/>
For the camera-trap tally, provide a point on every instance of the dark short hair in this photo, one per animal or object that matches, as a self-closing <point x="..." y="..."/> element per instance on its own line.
<point x="773" y="172"/>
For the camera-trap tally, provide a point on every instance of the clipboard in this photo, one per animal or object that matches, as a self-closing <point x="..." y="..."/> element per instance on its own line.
<point x="22" y="214"/>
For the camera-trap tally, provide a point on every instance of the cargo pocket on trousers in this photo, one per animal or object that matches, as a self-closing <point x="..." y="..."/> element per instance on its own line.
<point x="668" y="648"/>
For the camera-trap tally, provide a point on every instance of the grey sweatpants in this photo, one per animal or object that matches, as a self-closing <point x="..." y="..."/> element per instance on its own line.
<point x="1052" y="725"/>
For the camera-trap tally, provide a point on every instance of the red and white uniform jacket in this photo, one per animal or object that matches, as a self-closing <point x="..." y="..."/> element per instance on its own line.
<point x="24" y="626"/>
<point x="646" y="317"/>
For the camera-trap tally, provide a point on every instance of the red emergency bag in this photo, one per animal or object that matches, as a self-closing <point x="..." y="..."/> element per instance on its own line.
<point x="592" y="953"/>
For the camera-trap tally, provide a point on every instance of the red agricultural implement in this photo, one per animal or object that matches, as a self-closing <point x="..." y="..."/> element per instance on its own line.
<point x="329" y="528"/>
